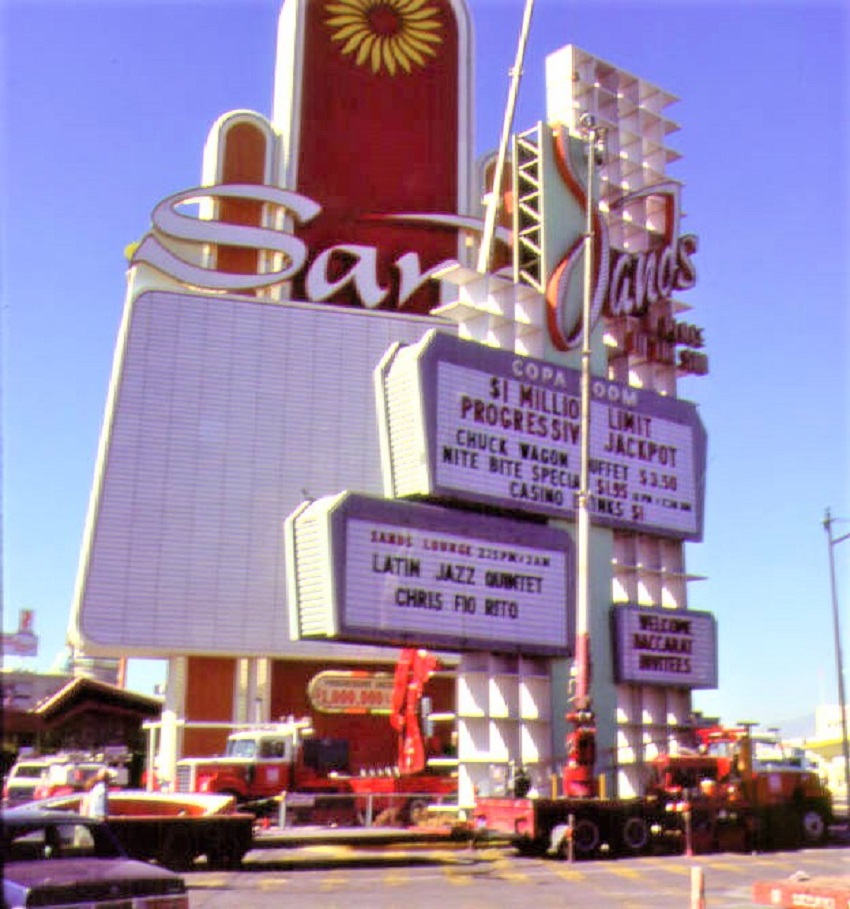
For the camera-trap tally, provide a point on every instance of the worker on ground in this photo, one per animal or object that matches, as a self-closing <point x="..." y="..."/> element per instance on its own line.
<point x="96" y="800"/>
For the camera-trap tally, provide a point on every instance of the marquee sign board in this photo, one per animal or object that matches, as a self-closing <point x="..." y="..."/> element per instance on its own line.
<point x="461" y="421"/>
<point x="371" y="570"/>
<point x="672" y="648"/>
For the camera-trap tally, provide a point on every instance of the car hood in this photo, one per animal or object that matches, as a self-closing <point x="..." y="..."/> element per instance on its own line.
<point x="123" y="873"/>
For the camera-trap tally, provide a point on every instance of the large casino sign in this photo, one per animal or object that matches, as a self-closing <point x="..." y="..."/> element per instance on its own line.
<point x="631" y="287"/>
<point x="354" y="265"/>
<point x="627" y="285"/>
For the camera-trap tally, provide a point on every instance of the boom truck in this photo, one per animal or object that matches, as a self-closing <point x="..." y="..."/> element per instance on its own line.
<point x="730" y="791"/>
<point x="735" y="791"/>
<point x="265" y="763"/>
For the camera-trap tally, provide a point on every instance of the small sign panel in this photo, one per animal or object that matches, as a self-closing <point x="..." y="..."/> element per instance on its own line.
<point x="402" y="573"/>
<point x="351" y="691"/>
<point x="24" y="642"/>
<point x="499" y="428"/>
<point x="673" y="648"/>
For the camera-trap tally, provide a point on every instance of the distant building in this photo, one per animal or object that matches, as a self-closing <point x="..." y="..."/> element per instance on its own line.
<point x="104" y="669"/>
<point x="93" y="716"/>
<point x="826" y="744"/>
<point x="23" y="689"/>
<point x="57" y="712"/>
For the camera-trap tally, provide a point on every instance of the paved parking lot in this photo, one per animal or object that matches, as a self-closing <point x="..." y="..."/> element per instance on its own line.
<point x="328" y="876"/>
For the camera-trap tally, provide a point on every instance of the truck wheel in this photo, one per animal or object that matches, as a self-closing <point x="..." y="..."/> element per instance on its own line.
<point x="585" y="836"/>
<point x="635" y="834"/>
<point x="227" y="858"/>
<point x="813" y="824"/>
<point x="177" y="852"/>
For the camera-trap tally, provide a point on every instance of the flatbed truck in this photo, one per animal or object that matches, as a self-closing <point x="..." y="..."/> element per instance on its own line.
<point x="716" y="798"/>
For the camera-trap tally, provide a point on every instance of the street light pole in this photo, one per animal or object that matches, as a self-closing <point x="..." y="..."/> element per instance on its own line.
<point x="591" y="134"/>
<point x="581" y="742"/>
<point x="845" y="744"/>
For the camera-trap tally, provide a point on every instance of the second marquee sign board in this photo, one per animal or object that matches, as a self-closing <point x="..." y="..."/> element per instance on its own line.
<point x="370" y="570"/>
<point x="464" y="422"/>
<point x="673" y="648"/>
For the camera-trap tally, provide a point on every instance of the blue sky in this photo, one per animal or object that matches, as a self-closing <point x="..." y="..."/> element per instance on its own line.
<point x="105" y="109"/>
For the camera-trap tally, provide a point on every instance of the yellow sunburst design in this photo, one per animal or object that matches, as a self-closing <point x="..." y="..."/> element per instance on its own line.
<point x="385" y="34"/>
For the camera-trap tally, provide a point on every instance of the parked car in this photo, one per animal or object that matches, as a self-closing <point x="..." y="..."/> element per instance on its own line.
<point x="66" y="776"/>
<point x="60" y="859"/>
<point x="23" y="779"/>
<point x="31" y="779"/>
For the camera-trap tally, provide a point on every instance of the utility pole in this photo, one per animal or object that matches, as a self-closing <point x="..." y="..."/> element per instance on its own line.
<point x="581" y="744"/>
<point x="839" y="663"/>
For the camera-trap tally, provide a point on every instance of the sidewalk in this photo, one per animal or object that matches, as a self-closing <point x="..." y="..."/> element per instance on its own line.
<point x="316" y="847"/>
<point x="445" y="836"/>
<point x="293" y="837"/>
<point x="310" y="847"/>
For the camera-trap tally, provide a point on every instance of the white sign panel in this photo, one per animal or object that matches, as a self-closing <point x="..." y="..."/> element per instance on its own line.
<point x="405" y="573"/>
<point x="505" y="429"/>
<point x="219" y="406"/>
<point x="673" y="648"/>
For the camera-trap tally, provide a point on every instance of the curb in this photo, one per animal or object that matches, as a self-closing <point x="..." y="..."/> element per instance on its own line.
<point x="344" y="856"/>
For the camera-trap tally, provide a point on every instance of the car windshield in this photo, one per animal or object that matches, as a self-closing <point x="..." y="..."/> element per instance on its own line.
<point x="75" y="775"/>
<point x="36" y="840"/>
<point x="772" y="755"/>
<point x="273" y="748"/>
<point x="28" y="771"/>
<point x="243" y="748"/>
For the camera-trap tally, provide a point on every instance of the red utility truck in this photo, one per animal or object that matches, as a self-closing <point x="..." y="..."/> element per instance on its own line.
<point x="262" y="763"/>
<point x="735" y="792"/>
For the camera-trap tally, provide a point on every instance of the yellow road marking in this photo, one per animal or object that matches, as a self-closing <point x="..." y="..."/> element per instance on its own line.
<point x="570" y="874"/>
<point x="683" y="870"/>
<point x="332" y="882"/>
<point x="728" y="866"/>
<point x="628" y="873"/>
<point x="828" y="860"/>
<point x="456" y="878"/>
<point x="210" y="883"/>
<point x="393" y="879"/>
<point x="272" y="883"/>
<point x="515" y="877"/>
<point x="504" y="868"/>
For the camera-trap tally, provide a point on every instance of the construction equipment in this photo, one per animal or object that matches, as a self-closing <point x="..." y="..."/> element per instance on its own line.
<point x="735" y="792"/>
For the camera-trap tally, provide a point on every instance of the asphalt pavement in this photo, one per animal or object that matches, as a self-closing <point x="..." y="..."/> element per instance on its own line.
<point x="333" y="873"/>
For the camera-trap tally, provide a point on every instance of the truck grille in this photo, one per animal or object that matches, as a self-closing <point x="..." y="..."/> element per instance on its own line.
<point x="183" y="781"/>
